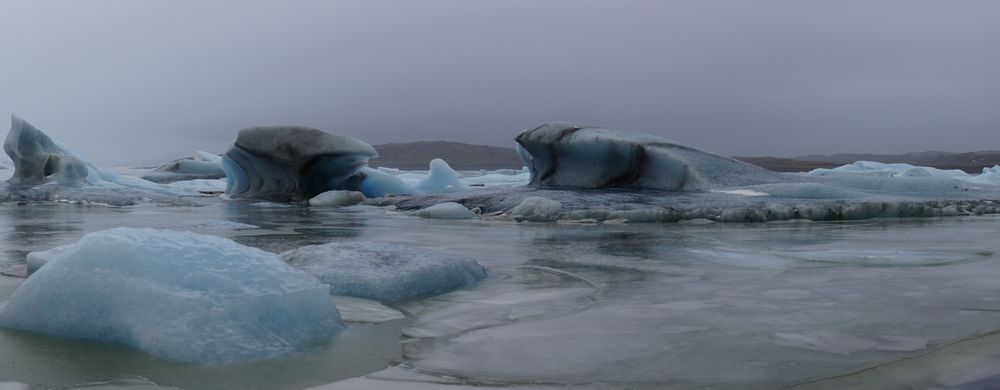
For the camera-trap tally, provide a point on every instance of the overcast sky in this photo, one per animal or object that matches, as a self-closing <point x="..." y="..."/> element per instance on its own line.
<point x="156" y="79"/>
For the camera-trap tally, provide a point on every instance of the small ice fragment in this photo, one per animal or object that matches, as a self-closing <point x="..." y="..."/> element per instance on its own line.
<point x="447" y="210"/>
<point x="337" y="198"/>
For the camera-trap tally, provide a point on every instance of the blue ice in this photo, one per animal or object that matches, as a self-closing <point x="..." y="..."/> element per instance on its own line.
<point x="384" y="271"/>
<point x="175" y="295"/>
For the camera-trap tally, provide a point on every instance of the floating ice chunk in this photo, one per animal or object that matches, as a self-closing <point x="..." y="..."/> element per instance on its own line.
<point x="354" y="309"/>
<point x="568" y="156"/>
<point x="176" y="295"/>
<point x="537" y="209"/>
<point x="291" y="163"/>
<point x="374" y="184"/>
<point x="384" y="271"/>
<point x="446" y="210"/>
<point x="441" y="178"/>
<point x="203" y="165"/>
<point x="337" y="198"/>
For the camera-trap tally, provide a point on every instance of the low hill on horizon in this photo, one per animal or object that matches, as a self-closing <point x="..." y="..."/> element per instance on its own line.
<point x="463" y="156"/>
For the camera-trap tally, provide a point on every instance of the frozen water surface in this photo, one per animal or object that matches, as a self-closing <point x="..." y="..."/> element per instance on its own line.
<point x="883" y="303"/>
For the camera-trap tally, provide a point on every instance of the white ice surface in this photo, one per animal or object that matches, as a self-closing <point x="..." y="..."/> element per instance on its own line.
<point x="176" y="295"/>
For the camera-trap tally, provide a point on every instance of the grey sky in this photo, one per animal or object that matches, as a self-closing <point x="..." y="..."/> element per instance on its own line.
<point x="154" y="79"/>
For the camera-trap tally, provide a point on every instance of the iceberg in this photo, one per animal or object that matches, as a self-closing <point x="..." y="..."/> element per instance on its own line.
<point x="45" y="170"/>
<point x="441" y="178"/>
<point x="384" y="271"/>
<point x="175" y="295"/>
<point x="289" y="163"/>
<point x="561" y="155"/>
<point x="203" y="166"/>
<point x="376" y="184"/>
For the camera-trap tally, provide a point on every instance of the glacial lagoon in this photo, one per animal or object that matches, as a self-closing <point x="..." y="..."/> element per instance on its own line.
<point x="874" y="303"/>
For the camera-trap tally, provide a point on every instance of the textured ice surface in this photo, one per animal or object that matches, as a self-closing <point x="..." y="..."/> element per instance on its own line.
<point x="384" y="271"/>
<point x="569" y="156"/>
<point x="13" y="386"/>
<point x="403" y="378"/>
<point x="291" y="163"/>
<point x="337" y="198"/>
<point x="45" y="170"/>
<point x="176" y="295"/>
<point x="37" y="259"/>
<point x="203" y="166"/>
<point x="441" y="178"/>
<point x="447" y="210"/>
<point x="537" y="209"/>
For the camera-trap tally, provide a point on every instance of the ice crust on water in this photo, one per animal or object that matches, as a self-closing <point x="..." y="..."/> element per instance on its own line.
<point x="13" y="386"/>
<point x="441" y="178"/>
<point x="123" y="383"/>
<point x="569" y="156"/>
<point x="337" y="198"/>
<point x="384" y="271"/>
<point x="447" y="210"/>
<point x="202" y="166"/>
<point x="176" y="295"/>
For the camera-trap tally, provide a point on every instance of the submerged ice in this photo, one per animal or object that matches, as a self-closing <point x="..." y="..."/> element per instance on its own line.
<point x="384" y="271"/>
<point x="176" y="295"/>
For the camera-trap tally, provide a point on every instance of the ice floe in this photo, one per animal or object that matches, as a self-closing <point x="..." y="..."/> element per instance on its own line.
<point x="176" y="295"/>
<point x="384" y="271"/>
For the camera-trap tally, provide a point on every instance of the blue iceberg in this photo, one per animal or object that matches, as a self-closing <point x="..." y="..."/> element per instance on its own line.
<point x="45" y="170"/>
<point x="384" y="271"/>
<point x="175" y="295"/>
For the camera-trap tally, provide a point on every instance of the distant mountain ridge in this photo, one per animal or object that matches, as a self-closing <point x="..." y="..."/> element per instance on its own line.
<point x="462" y="156"/>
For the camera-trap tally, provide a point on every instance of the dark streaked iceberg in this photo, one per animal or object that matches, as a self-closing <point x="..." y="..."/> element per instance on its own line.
<point x="290" y="163"/>
<point x="203" y="166"/>
<point x="562" y="155"/>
